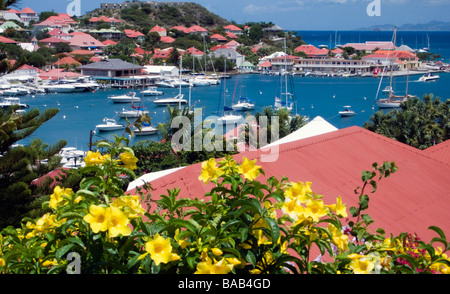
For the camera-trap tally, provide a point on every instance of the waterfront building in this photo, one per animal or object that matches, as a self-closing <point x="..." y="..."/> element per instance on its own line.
<point x="162" y="71"/>
<point x="332" y="65"/>
<point x="311" y="51"/>
<point x="116" y="72"/>
<point x="229" y="53"/>
<point x="370" y="46"/>
<point x="246" y="67"/>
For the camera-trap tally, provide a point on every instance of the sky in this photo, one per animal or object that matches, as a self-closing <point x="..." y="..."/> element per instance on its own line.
<point x="295" y="14"/>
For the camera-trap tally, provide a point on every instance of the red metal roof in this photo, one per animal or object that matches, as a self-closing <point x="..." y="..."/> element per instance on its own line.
<point x="440" y="151"/>
<point x="410" y="200"/>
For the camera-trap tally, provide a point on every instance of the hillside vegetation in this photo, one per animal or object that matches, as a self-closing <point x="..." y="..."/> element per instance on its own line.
<point x="186" y="14"/>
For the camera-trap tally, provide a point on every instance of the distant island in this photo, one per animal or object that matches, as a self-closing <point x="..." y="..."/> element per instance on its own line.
<point x="430" y="26"/>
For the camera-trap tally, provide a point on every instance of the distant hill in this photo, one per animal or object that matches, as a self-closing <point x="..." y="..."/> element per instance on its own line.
<point x="430" y="26"/>
<point x="167" y="14"/>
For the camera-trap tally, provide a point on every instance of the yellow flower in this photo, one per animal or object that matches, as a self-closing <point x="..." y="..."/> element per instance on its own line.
<point x="111" y="219"/>
<point x="2" y="262"/>
<point x="315" y="209"/>
<point x="362" y="265"/>
<point x="228" y="165"/>
<point x="160" y="250"/>
<point x="57" y="198"/>
<point x="209" y="171"/>
<point x="48" y="263"/>
<point x="129" y="160"/>
<point x="299" y="191"/>
<point x="131" y="205"/>
<point x="94" y="158"/>
<point x="45" y="224"/>
<point x="97" y="218"/>
<point x="339" y="207"/>
<point x="216" y="251"/>
<point x="207" y="267"/>
<point x="338" y="238"/>
<point x="249" y="169"/>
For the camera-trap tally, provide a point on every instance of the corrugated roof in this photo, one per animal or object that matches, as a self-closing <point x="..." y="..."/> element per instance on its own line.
<point x="440" y="151"/>
<point x="410" y="200"/>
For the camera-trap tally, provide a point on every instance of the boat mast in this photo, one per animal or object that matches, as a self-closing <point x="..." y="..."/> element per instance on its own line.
<point x="285" y="72"/>
<point x="392" y="62"/>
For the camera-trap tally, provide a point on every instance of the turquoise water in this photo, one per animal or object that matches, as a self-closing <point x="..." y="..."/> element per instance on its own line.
<point x="317" y="96"/>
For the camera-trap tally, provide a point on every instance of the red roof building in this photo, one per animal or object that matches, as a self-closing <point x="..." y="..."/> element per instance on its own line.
<point x="133" y="34"/>
<point x="233" y="29"/>
<point x="196" y="29"/>
<point x="218" y="38"/>
<point x="410" y="200"/>
<point x="102" y="18"/>
<point x="194" y="51"/>
<point x="52" y="42"/>
<point x="7" y="40"/>
<point x="181" y="29"/>
<point x="160" y="30"/>
<point x="109" y="42"/>
<point x="311" y="51"/>
<point x="167" y="39"/>
<point x="85" y="41"/>
<point x="230" y="35"/>
<point x="66" y="60"/>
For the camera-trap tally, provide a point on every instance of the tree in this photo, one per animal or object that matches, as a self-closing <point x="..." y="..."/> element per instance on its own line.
<point x="418" y="123"/>
<point x="20" y="165"/>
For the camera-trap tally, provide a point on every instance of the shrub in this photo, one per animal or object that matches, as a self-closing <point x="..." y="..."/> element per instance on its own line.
<point x="241" y="226"/>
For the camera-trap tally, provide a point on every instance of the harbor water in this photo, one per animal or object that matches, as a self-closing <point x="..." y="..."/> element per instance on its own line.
<point x="315" y="96"/>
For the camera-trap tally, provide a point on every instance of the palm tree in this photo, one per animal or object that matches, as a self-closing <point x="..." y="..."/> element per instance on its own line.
<point x="6" y="3"/>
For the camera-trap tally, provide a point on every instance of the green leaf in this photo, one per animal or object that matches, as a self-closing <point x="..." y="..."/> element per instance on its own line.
<point x="274" y="228"/>
<point x="250" y="257"/>
<point x="63" y="250"/>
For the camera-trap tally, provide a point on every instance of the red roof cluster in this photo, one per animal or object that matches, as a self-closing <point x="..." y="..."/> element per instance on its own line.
<point x="105" y="19"/>
<point x="310" y="50"/>
<point x="132" y="33"/>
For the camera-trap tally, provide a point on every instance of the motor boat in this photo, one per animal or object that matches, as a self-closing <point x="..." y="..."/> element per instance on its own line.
<point x="10" y="101"/>
<point x="347" y="112"/>
<point x="428" y="77"/>
<point x="230" y="119"/>
<point x="72" y="157"/>
<point x="109" y="125"/>
<point x="125" y="98"/>
<point x="171" y="101"/>
<point x="59" y="88"/>
<point x="151" y="91"/>
<point x="165" y="84"/>
<point x="146" y="129"/>
<point x="243" y="104"/>
<point x="135" y="111"/>
<point x="179" y="83"/>
<point x="16" y="91"/>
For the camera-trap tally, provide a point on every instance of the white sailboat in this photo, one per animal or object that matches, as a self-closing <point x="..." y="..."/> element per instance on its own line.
<point x="287" y="102"/>
<point x="228" y="118"/>
<point x="177" y="100"/>
<point x="393" y="101"/>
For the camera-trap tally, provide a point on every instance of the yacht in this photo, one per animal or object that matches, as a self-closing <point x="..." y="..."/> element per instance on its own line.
<point x="10" y="101"/>
<point x="109" y="125"/>
<point x="146" y="129"/>
<point x="243" y="104"/>
<point x="347" y="112"/>
<point x="151" y="91"/>
<point x="125" y="98"/>
<point x="135" y="111"/>
<point x="428" y="77"/>
<point x="230" y="119"/>
<point x="165" y="84"/>
<point x="171" y="101"/>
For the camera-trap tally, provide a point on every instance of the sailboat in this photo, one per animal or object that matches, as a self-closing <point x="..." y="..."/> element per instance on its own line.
<point x="178" y="99"/>
<point x="393" y="101"/>
<point x="243" y="103"/>
<point x="287" y="102"/>
<point x="228" y="118"/>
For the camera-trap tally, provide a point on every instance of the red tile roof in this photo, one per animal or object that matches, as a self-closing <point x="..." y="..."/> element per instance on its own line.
<point x="196" y="29"/>
<point x="85" y="40"/>
<point x="27" y="10"/>
<point x="167" y="39"/>
<point x="109" y="42"/>
<point x="310" y="50"/>
<point x="218" y="37"/>
<point x="180" y="28"/>
<point x="66" y="60"/>
<point x="231" y="35"/>
<point x="82" y="52"/>
<point x="53" y="40"/>
<point x="7" y="40"/>
<point x="104" y="18"/>
<point x="410" y="200"/>
<point x="158" y="29"/>
<point x="194" y="51"/>
<point x="132" y="33"/>
<point x="232" y="28"/>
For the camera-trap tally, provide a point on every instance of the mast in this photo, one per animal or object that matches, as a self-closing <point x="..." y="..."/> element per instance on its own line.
<point x="392" y="62"/>
<point x="285" y="72"/>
